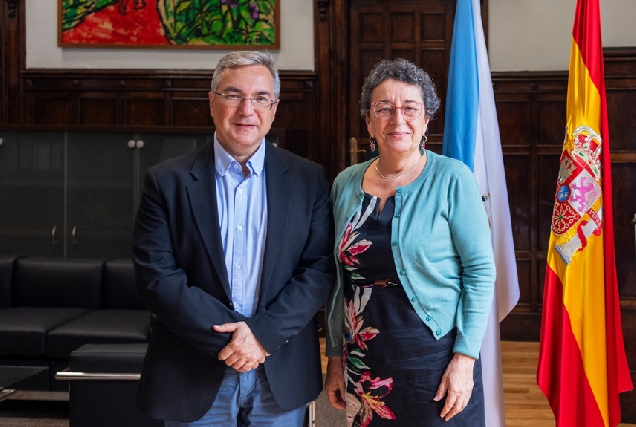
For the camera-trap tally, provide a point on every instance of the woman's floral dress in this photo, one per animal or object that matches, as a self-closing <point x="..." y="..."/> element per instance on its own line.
<point x="393" y="364"/>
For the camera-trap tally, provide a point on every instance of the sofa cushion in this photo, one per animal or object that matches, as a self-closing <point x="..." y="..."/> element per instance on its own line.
<point x="6" y="273"/>
<point x="23" y="329"/>
<point x="40" y="282"/>
<point x="118" y="285"/>
<point x="100" y="326"/>
<point x="109" y="358"/>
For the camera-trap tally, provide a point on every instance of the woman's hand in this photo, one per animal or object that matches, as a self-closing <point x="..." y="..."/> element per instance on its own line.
<point x="334" y="383"/>
<point x="457" y="384"/>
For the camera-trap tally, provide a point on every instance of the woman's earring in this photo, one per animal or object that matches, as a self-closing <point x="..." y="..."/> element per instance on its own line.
<point x="423" y="145"/>
<point x="373" y="145"/>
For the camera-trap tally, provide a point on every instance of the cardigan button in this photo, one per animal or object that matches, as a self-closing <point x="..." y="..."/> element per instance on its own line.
<point x="438" y="332"/>
<point x="394" y="243"/>
<point x="413" y="299"/>
<point x="402" y="272"/>
<point x="429" y="318"/>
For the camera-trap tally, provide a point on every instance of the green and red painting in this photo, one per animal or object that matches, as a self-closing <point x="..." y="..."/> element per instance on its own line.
<point x="218" y="24"/>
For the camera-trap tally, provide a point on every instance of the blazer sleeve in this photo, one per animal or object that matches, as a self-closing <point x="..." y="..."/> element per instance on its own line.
<point x="311" y="281"/>
<point x="163" y="284"/>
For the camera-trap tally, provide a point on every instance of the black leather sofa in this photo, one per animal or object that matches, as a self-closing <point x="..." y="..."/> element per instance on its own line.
<point x="51" y="307"/>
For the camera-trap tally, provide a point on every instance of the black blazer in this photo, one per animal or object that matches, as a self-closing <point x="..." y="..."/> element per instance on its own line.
<point x="182" y="279"/>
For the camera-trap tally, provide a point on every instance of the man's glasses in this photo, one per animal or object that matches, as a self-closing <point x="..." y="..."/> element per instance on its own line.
<point x="259" y="103"/>
<point x="410" y="110"/>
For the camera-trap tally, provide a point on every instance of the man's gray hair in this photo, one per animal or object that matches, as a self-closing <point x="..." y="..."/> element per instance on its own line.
<point x="403" y="71"/>
<point x="243" y="58"/>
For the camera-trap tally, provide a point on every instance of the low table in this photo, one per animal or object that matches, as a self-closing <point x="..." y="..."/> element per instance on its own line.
<point x="11" y="376"/>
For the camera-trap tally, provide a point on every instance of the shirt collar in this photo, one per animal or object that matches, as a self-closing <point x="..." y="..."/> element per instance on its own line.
<point x="223" y="160"/>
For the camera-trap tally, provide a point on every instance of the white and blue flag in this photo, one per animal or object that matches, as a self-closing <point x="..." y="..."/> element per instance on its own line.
<point x="471" y="134"/>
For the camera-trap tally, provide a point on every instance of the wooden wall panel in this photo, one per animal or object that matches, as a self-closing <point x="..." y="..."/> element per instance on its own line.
<point x="433" y="26"/>
<point x="517" y="170"/>
<point x="372" y="26"/>
<point x="402" y="27"/>
<point x="551" y="121"/>
<point x="523" y="270"/>
<point x="622" y="114"/>
<point x="144" y="111"/>
<point x="628" y="400"/>
<point x="546" y="174"/>
<point x="624" y="182"/>
<point x="537" y="291"/>
<point x="515" y="124"/>
<point x="433" y="60"/>
<point x="53" y="109"/>
<point x="292" y="113"/>
<point x="96" y="109"/>
<point x="190" y="111"/>
<point x="520" y="103"/>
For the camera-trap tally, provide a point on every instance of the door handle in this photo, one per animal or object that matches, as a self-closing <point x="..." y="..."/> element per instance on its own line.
<point x="354" y="150"/>
<point x="634" y="222"/>
<point x="53" y="239"/>
<point x="73" y="236"/>
<point x="135" y="144"/>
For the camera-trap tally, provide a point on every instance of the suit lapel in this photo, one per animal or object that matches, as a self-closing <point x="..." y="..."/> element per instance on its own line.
<point x="279" y="187"/>
<point x="202" y="198"/>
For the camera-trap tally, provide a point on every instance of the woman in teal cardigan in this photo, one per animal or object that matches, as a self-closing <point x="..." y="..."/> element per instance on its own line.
<point x="415" y="270"/>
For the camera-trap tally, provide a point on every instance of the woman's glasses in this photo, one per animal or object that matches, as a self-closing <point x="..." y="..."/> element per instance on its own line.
<point x="410" y="110"/>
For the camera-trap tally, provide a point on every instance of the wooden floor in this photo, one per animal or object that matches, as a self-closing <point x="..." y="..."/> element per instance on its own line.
<point x="525" y="404"/>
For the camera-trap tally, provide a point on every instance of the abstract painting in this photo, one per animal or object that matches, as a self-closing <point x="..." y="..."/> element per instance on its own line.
<point x="211" y="24"/>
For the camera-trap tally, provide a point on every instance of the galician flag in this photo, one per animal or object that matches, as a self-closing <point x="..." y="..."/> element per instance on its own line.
<point x="582" y="364"/>
<point x="471" y="134"/>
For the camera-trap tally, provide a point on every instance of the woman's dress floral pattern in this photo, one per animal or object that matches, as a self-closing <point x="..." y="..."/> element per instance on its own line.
<point x="368" y="393"/>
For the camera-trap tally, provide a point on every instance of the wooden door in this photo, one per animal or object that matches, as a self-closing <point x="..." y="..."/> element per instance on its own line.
<point x="411" y="29"/>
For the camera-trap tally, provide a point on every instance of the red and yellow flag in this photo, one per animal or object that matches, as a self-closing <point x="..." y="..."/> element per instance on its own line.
<point x="582" y="364"/>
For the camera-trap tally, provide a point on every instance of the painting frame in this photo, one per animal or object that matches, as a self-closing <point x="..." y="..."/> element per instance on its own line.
<point x="169" y="24"/>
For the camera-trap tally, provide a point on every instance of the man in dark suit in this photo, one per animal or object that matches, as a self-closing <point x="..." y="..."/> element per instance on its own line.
<point x="233" y="255"/>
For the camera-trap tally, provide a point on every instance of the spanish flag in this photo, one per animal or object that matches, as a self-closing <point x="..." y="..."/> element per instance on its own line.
<point x="582" y="365"/>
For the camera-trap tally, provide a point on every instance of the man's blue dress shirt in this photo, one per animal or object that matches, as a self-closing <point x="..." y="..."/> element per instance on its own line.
<point x="242" y="206"/>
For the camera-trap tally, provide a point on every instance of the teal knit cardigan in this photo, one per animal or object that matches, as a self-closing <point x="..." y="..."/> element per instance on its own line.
<point x="441" y="245"/>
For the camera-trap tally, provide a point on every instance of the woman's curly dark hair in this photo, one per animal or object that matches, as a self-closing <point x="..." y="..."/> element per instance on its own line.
<point x="403" y="71"/>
